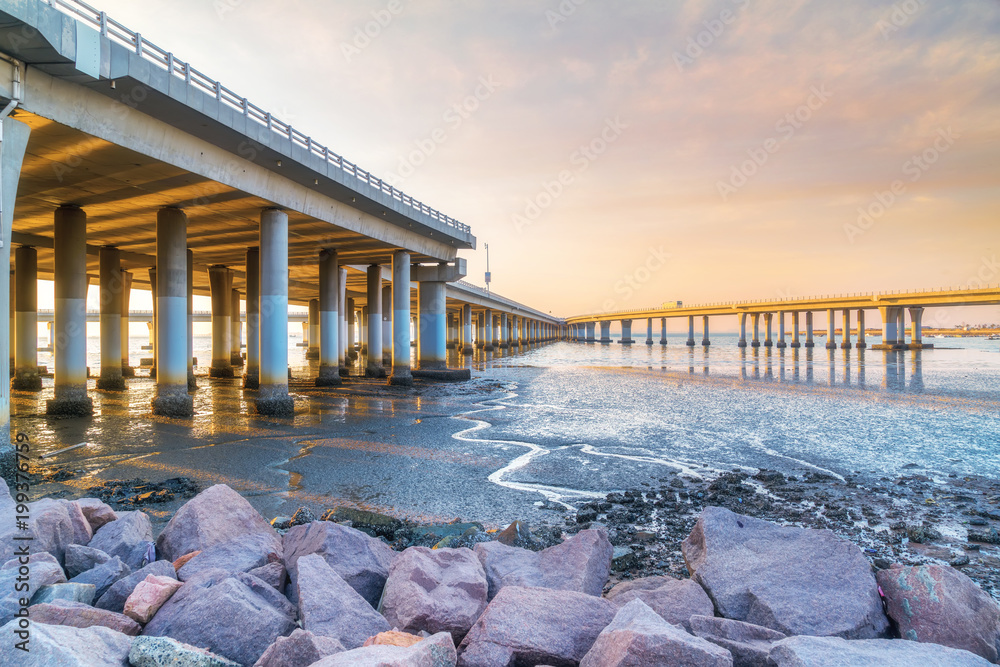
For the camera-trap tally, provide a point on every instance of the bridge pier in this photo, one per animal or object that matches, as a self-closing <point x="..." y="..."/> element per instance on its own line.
<point x="795" y="330"/>
<point x="480" y="333"/>
<point x="861" y="344"/>
<point x="743" y="330"/>
<point x="387" y="326"/>
<point x="152" y="322"/>
<point x="768" y="328"/>
<point x="363" y="326"/>
<point x="330" y="349"/>
<point x="312" y="328"/>
<point x="605" y="332"/>
<point x="626" y="333"/>
<point x="432" y="354"/>
<point x="401" y="375"/>
<point x="251" y="371"/>
<point x="809" y="329"/>
<point x="373" y="367"/>
<point x="342" y="318"/>
<point x="236" y="335"/>
<point x="504" y="333"/>
<point x="127" y="370"/>
<point x="467" y="346"/>
<point x="220" y="281"/>
<point x="352" y="333"/>
<point x="831" y="331"/>
<point x="171" y="398"/>
<point x="25" y="341"/>
<point x="192" y="382"/>
<point x="916" y="329"/>
<point x="649" y="331"/>
<point x="846" y="342"/>
<point x="690" y="340"/>
<point x="704" y="331"/>
<point x="756" y="330"/>
<point x="272" y="396"/>
<point x="111" y="320"/>
<point x="781" y="332"/>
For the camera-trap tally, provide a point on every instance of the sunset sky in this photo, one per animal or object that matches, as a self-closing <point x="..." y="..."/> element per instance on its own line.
<point x="709" y="151"/>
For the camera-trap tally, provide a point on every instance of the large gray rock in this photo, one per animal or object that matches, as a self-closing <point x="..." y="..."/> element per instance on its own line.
<point x="749" y="644"/>
<point x="638" y="636"/>
<point x="128" y="538"/>
<point x="298" y="649"/>
<point x="45" y="570"/>
<point x="215" y="516"/>
<point x="103" y="576"/>
<point x="65" y="646"/>
<point x="360" y="560"/>
<point x="80" y="615"/>
<point x="793" y="580"/>
<point x="235" y="616"/>
<point x="96" y="512"/>
<point x="940" y="605"/>
<point x="581" y="563"/>
<point x="675" y="600"/>
<point x="273" y="574"/>
<point x="55" y="524"/>
<point x="836" y="652"/>
<point x="114" y="599"/>
<point x="166" y="652"/>
<point x="435" y="651"/>
<point x="74" y="592"/>
<point x="241" y="554"/>
<point x="439" y="590"/>
<point x="80" y="559"/>
<point x="328" y="606"/>
<point x="535" y="626"/>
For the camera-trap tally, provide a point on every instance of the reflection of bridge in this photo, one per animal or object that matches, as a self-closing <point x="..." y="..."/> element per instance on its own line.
<point x="891" y="305"/>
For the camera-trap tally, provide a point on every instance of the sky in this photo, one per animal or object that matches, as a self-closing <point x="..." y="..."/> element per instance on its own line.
<point x="618" y="155"/>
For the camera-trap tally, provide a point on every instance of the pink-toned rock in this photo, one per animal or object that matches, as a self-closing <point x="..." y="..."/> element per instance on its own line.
<point x="299" y="649"/>
<point x="393" y="638"/>
<point x="66" y="646"/>
<point x="56" y="524"/>
<point x="750" y="645"/>
<point x="182" y="561"/>
<point x="435" y="651"/>
<point x="440" y="590"/>
<point x="328" y="606"/>
<point x="45" y="571"/>
<point x="240" y="554"/>
<point x="940" y="605"/>
<point x="114" y="599"/>
<point x="805" y="651"/>
<point x="273" y="574"/>
<point x="96" y="512"/>
<point x="80" y="615"/>
<point x="148" y="596"/>
<point x="675" y="600"/>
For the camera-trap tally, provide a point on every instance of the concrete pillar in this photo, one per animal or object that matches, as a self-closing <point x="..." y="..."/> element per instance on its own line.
<point x="488" y="329"/>
<point x="480" y="334"/>
<point x="220" y="281"/>
<point x="272" y="396"/>
<point x="591" y="335"/>
<point x="756" y="330"/>
<point x="626" y="332"/>
<point x="12" y="335"/>
<point x="704" y="331"/>
<point x="845" y="344"/>
<point x="236" y="326"/>
<point x="70" y="330"/>
<point x="152" y="323"/>
<point x="191" y="380"/>
<point x="25" y="341"/>
<point x="831" y="334"/>
<point x="900" y="328"/>
<point x="374" y="367"/>
<point x="171" y="398"/>
<point x="861" y="344"/>
<point x="916" y="327"/>
<point x="127" y="370"/>
<point x="663" y="331"/>
<point x="387" y="326"/>
<point x="649" y="331"/>
<point x="111" y="320"/>
<point x="743" y="330"/>
<point x="504" y="334"/>
<point x="781" y="330"/>
<point x="352" y="353"/>
<point x="809" y="329"/>
<point x="363" y="326"/>
<point x="768" y="329"/>
<point x="450" y="342"/>
<point x="432" y="353"/>
<point x="330" y="349"/>
<point x="605" y="331"/>
<point x="401" y="319"/>
<point x="342" y="318"/>
<point x="690" y="340"/>
<point x="312" y="319"/>
<point x="467" y="346"/>
<point x="251" y="372"/>
<point x="795" y="330"/>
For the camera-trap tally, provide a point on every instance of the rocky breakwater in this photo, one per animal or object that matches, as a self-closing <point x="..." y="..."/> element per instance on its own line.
<point x="220" y="586"/>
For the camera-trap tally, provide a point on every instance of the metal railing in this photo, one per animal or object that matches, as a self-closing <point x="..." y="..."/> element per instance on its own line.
<point x="503" y="300"/>
<point x="118" y="33"/>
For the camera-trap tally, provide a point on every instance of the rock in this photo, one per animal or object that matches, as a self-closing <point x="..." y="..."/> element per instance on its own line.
<point x="166" y="652"/>
<point x="638" y="636"/>
<point x="215" y="516"/>
<point x="80" y="558"/>
<point x="940" y="605"/>
<point x="435" y="651"/>
<point x="128" y="538"/>
<point x="96" y="512"/>
<point x="79" y="615"/>
<point x="114" y="599"/>
<point x="298" y="649"/>
<point x="302" y="516"/>
<point x="443" y="590"/>
<point x="74" y="592"/>
<point x="203" y="610"/>
<point x="241" y="554"/>
<point x="748" y="644"/>
<point x="55" y="524"/>
<point x="65" y="646"/>
<point x="103" y="576"/>
<point x="836" y="652"/>
<point x="393" y="638"/>
<point x="360" y="560"/>
<point x="328" y="606"/>
<point x="148" y="596"/>
<point x="535" y="626"/>
<point x="517" y="534"/>
<point x="45" y="570"/>
<point x="273" y="574"/>
<point x="675" y="600"/>
<point x="793" y="580"/>
<point x="581" y="563"/>
<point x="183" y="560"/>
<point x="371" y="523"/>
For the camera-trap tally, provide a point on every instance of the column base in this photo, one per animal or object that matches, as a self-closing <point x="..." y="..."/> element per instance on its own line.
<point x="603" y="341"/>
<point x="329" y="376"/>
<point x="26" y="383"/>
<point x="705" y="342"/>
<point x="781" y="345"/>
<point x="810" y="344"/>
<point x="756" y="343"/>
<point x="375" y="371"/>
<point x="503" y="346"/>
<point x="192" y="381"/>
<point x="468" y="351"/>
<point x="626" y="341"/>
<point x="152" y="372"/>
<point x="251" y="379"/>
<point x="920" y="346"/>
<point x="128" y="372"/>
<point x="223" y="372"/>
<point x="70" y="406"/>
<point x="861" y="346"/>
<point x="312" y="354"/>
<point x="450" y="346"/>
<point x="796" y="345"/>
<point x="236" y="359"/>
<point x="274" y="401"/>
<point x="479" y="344"/>
<point x="443" y="374"/>
<point x="768" y="343"/>
<point x="663" y="341"/>
<point x="886" y="346"/>
<point x="845" y="346"/>
<point x="690" y="342"/>
<point x="649" y="342"/>
<point x="113" y="383"/>
<point x="831" y="346"/>
<point x="401" y="378"/>
<point x="352" y="355"/>
<point x="344" y="371"/>
<point x="172" y="402"/>
<point x="488" y="347"/>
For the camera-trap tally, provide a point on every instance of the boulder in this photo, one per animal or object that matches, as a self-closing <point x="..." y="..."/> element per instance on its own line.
<point x="836" y="652"/>
<point x="74" y="592"/>
<point x="793" y="580"/>
<point x="435" y="651"/>
<point x="103" y="576"/>
<point x="328" y="606"/>
<point x="441" y="590"/>
<point x="638" y="636"/>
<point x="96" y="512"/>
<point x="79" y="615"/>
<point x="273" y="574"/>
<point x="114" y="599"/>
<point x="128" y="538"/>
<point x="581" y="563"/>
<point x="675" y="600"/>
<point x="55" y="524"/>
<point x="940" y="605"/>
<point x="535" y="626"/>
<point x="148" y="596"/>
<point x="748" y="644"/>
<point x="45" y="570"/>
<point x="65" y="646"/>
<point x="240" y="554"/>
<point x="360" y="560"/>
<point x="166" y="652"/>
<point x="298" y="649"/>
<point x="215" y="516"/>
<point x="235" y="616"/>
<point x="80" y="558"/>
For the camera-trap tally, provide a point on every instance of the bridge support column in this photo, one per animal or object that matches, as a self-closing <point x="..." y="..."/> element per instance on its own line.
<point x="363" y="322"/>
<point x="705" y="341"/>
<point x="342" y="317"/>
<point x="861" y="344"/>
<point x="387" y="326"/>
<point x="504" y="333"/>
<point x="352" y="353"/>
<point x="272" y="396"/>
<point x="590" y="335"/>
<point x="649" y="331"/>
<point x="401" y="319"/>
<point x="452" y="333"/>
<point x="690" y="340"/>
<point x="127" y="370"/>
<point x="25" y="341"/>
<point x="756" y="330"/>
<point x="743" y="330"/>
<point x="795" y="330"/>
<point x="768" y="328"/>
<point x="663" y="331"/>
<point x="220" y="281"/>
<point x="605" y="331"/>
<point x="251" y="372"/>
<point x="189" y="260"/>
<point x="70" y="317"/>
<point x="901" y="329"/>
<point x="480" y="334"/>
<point x="488" y="330"/>
<point x="626" y="332"/>
<point x="467" y="347"/>
<point x="330" y="349"/>
<point x="845" y="344"/>
<point x="374" y="367"/>
<point x="831" y="331"/>
<point x="171" y="399"/>
<point x="153" y="321"/>
<point x="916" y="329"/>
<point x="111" y="320"/>
<point x="236" y="337"/>
<point x="312" y="321"/>
<point x="432" y="353"/>
<point x="809" y="329"/>
<point x="781" y="330"/>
